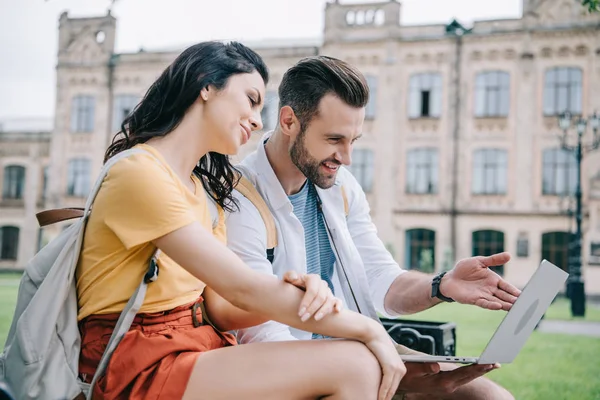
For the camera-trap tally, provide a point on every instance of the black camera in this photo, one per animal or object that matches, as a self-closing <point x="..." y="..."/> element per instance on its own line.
<point x="435" y="338"/>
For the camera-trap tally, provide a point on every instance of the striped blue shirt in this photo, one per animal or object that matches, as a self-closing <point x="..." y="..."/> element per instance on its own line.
<point x="319" y="255"/>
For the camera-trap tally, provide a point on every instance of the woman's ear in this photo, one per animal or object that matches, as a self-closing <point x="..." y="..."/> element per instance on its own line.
<point x="204" y="93"/>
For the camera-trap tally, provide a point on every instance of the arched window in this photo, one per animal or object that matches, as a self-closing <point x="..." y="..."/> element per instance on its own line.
<point x="420" y="249"/>
<point x="555" y="248"/>
<point x="9" y="242"/>
<point x="14" y="182"/>
<point x="488" y="242"/>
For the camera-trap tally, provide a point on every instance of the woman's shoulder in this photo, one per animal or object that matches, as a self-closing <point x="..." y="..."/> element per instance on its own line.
<point x="144" y="161"/>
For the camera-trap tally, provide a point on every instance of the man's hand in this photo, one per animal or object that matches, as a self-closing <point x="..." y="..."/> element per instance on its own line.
<point x="472" y="282"/>
<point x="318" y="298"/>
<point x="427" y="377"/>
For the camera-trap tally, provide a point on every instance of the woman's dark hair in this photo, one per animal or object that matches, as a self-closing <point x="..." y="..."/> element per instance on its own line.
<point x="173" y="93"/>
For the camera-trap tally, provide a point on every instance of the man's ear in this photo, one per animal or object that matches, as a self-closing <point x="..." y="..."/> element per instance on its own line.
<point x="290" y="125"/>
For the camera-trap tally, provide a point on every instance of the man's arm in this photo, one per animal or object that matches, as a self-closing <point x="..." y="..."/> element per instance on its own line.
<point x="395" y="291"/>
<point x="411" y="293"/>
<point x="247" y="237"/>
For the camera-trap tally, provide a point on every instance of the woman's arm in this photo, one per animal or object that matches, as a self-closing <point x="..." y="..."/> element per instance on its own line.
<point x="317" y="301"/>
<point x="263" y="295"/>
<point x="225" y="315"/>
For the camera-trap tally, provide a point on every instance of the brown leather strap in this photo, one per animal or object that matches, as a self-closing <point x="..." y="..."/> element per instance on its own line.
<point x="49" y="217"/>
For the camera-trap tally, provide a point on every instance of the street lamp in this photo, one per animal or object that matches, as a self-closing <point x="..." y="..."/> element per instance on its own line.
<point x="575" y="287"/>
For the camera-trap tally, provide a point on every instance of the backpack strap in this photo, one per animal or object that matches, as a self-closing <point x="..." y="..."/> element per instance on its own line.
<point x="137" y="299"/>
<point x="346" y="206"/>
<point x="247" y="189"/>
<point x="126" y="319"/>
<point x="49" y="217"/>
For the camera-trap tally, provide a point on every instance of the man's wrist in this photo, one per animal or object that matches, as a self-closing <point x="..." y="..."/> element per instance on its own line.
<point x="439" y="286"/>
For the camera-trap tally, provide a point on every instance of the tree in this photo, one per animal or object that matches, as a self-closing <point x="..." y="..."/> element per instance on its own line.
<point x="592" y="5"/>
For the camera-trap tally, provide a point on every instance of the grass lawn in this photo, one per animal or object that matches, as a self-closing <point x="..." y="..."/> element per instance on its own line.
<point x="561" y="309"/>
<point x="550" y="366"/>
<point x="9" y="283"/>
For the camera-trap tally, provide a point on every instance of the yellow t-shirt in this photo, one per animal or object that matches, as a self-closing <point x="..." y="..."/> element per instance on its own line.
<point x="141" y="199"/>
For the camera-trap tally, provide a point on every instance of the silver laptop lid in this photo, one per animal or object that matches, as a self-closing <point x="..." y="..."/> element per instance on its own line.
<point x="520" y="321"/>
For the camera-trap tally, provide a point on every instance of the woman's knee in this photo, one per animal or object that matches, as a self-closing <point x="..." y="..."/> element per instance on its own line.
<point x="360" y="370"/>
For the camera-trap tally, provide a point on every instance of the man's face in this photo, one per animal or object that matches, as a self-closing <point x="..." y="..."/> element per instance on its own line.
<point x="327" y="141"/>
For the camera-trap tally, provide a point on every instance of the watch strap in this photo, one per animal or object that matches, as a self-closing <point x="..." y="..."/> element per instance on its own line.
<point x="435" y="288"/>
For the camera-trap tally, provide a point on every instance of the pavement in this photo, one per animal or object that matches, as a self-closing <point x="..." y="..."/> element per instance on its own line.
<point x="584" y="328"/>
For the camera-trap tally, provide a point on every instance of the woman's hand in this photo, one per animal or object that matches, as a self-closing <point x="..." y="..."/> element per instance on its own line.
<point x="318" y="299"/>
<point x="392" y="367"/>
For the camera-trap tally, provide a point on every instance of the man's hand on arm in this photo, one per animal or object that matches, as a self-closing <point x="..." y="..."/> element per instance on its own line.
<point x="318" y="300"/>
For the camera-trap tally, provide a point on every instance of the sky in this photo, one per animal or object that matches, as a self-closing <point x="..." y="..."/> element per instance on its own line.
<point x="29" y="32"/>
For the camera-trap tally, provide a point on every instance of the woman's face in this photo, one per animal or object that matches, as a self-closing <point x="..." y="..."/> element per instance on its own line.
<point x="233" y="113"/>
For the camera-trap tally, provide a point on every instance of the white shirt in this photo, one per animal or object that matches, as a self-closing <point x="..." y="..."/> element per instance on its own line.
<point x="360" y="254"/>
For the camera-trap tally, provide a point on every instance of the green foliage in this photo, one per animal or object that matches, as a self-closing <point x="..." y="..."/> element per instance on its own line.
<point x="592" y="5"/>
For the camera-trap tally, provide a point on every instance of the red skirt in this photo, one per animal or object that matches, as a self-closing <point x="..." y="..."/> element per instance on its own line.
<point x="154" y="359"/>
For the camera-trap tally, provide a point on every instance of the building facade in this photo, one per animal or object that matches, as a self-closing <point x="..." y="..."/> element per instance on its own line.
<point x="24" y="160"/>
<point x="460" y="152"/>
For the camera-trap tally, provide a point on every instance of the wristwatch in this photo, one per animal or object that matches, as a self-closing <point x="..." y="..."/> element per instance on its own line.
<point x="435" y="288"/>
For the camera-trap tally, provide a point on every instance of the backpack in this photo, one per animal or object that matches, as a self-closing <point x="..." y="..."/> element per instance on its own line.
<point x="41" y="354"/>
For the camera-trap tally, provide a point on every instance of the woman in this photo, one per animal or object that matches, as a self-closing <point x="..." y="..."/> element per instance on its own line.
<point x="202" y="108"/>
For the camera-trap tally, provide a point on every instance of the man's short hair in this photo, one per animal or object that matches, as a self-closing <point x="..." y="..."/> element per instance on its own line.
<point x="306" y="83"/>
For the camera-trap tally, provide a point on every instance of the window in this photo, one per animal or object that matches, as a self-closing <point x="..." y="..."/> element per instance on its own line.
<point x="371" y="108"/>
<point x="488" y="242"/>
<point x="14" y="182"/>
<point x="82" y="114"/>
<point x="122" y="107"/>
<point x="425" y="95"/>
<point x="270" y="111"/>
<point x="362" y="168"/>
<point x="562" y="91"/>
<point x="78" y="181"/>
<point x="492" y="90"/>
<point x="9" y="242"/>
<point x="422" y="171"/>
<point x="489" y="171"/>
<point x="555" y="248"/>
<point x="420" y="249"/>
<point x="559" y="174"/>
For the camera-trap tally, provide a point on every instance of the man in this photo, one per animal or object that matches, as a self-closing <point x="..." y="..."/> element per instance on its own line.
<point x="298" y="170"/>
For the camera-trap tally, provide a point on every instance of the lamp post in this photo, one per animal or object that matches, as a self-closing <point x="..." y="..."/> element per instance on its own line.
<point x="575" y="286"/>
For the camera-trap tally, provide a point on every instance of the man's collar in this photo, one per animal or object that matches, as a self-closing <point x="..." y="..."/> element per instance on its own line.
<point x="272" y="189"/>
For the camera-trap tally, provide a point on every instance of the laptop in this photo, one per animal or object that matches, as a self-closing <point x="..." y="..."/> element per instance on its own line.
<point x="518" y="323"/>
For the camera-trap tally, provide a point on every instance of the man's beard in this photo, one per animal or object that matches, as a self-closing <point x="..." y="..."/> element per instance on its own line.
<point x="309" y="166"/>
